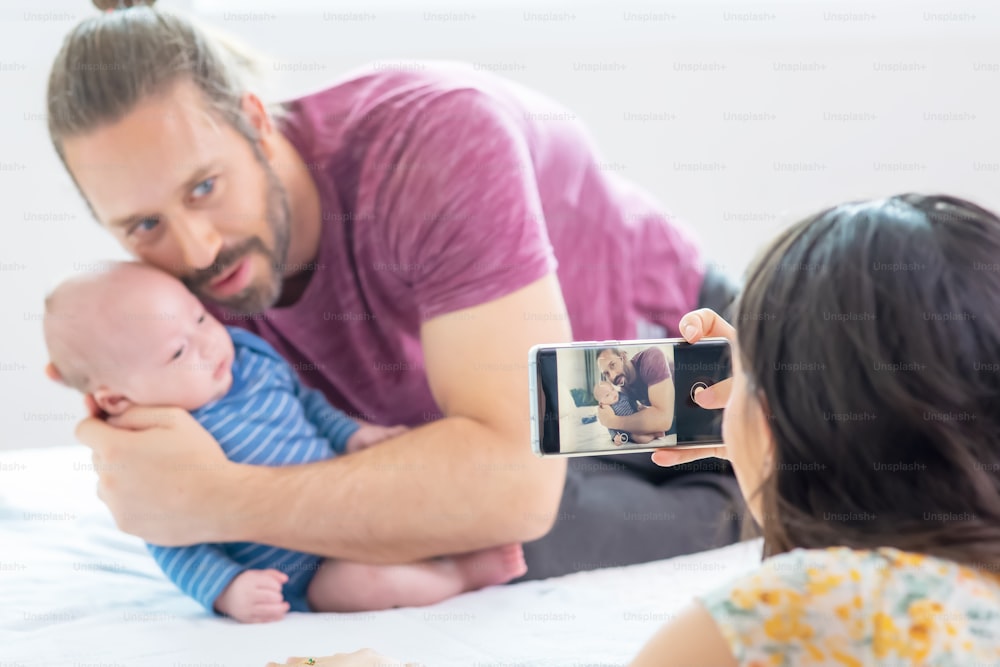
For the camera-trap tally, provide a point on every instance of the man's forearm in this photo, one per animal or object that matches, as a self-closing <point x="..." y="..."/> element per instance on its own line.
<point x="448" y="487"/>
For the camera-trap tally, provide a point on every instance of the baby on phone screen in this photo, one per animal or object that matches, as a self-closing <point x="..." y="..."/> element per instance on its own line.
<point x="608" y="394"/>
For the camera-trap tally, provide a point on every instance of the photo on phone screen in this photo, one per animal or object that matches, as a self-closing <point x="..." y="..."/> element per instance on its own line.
<point x="624" y="397"/>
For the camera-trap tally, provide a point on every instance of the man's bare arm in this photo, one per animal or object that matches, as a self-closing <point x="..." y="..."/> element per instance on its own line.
<point x="659" y="416"/>
<point x="458" y="484"/>
<point x="462" y="483"/>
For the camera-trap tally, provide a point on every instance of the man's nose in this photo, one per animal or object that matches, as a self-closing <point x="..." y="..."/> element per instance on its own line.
<point x="198" y="241"/>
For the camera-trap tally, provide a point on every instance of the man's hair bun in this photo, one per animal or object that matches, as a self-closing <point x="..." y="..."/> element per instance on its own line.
<point x="109" y="5"/>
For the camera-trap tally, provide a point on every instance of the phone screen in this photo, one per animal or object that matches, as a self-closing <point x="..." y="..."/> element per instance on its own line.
<point x="623" y="397"/>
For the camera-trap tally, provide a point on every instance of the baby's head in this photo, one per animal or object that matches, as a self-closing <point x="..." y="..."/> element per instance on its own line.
<point x="134" y="335"/>
<point x="606" y="393"/>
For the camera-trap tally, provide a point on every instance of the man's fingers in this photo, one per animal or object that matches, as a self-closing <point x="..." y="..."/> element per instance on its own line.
<point x="93" y="409"/>
<point x="92" y="431"/>
<point x="705" y="323"/>
<point x="141" y="418"/>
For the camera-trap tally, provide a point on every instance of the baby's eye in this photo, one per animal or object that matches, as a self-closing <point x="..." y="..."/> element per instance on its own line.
<point x="177" y="354"/>
<point x="201" y="319"/>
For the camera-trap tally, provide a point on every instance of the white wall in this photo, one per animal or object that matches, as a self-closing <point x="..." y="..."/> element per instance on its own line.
<point x="765" y="111"/>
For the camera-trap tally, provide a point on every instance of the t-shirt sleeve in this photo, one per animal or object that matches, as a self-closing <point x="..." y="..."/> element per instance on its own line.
<point x="798" y="607"/>
<point x="653" y="368"/>
<point x="462" y="205"/>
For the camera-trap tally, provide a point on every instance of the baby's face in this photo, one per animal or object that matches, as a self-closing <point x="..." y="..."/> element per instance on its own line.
<point x="606" y="393"/>
<point x="160" y="346"/>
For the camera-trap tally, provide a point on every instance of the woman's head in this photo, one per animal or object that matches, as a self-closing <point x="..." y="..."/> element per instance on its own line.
<point x="866" y="408"/>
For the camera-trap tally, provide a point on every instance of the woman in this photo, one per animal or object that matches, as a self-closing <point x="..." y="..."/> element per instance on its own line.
<point x="862" y="421"/>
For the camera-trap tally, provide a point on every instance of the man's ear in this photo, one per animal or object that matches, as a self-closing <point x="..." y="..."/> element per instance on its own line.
<point x="256" y="113"/>
<point x="111" y="402"/>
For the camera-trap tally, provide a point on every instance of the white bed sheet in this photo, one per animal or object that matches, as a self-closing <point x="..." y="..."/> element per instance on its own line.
<point x="77" y="592"/>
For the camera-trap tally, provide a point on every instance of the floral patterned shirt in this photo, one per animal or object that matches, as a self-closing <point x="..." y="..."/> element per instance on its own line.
<point x="841" y="606"/>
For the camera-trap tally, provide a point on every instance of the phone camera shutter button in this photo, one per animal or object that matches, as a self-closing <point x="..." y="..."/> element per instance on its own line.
<point x="695" y="387"/>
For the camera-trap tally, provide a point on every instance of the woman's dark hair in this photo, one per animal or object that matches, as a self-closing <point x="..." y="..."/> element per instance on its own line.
<point x="870" y="334"/>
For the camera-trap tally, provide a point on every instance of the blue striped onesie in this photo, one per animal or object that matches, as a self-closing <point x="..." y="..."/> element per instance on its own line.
<point x="622" y="407"/>
<point x="268" y="417"/>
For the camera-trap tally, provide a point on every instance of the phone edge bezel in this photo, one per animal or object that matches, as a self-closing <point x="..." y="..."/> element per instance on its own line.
<point x="536" y="419"/>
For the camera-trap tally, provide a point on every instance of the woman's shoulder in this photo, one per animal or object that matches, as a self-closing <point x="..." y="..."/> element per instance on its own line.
<point x="859" y="604"/>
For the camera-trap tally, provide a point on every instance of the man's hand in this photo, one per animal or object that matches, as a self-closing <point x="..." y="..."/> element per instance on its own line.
<point x="371" y="434"/>
<point x="163" y="476"/>
<point x="698" y="324"/>
<point x="606" y="415"/>
<point x="254" y="596"/>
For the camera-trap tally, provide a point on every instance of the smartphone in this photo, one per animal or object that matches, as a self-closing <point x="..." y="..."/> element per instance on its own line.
<point x="643" y="389"/>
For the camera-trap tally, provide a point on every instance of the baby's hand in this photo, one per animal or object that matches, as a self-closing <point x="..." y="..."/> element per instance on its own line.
<point x="370" y="434"/>
<point x="254" y="596"/>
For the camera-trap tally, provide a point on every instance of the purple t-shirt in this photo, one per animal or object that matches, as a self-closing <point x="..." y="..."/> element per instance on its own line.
<point x="650" y="368"/>
<point x="443" y="187"/>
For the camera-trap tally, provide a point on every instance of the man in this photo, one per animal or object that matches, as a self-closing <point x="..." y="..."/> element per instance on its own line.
<point x="644" y="378"/>
<point x="396" y="237"/>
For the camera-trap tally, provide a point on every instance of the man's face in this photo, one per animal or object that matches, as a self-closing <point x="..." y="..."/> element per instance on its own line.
<point x="184" y="191"/>
<point x="617" y="370"/>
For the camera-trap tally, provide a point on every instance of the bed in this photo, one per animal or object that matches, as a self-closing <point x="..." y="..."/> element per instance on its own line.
<point x="78" y="592"/>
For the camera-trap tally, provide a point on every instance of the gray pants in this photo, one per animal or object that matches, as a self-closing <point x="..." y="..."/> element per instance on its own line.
<point x="624" y="509"/>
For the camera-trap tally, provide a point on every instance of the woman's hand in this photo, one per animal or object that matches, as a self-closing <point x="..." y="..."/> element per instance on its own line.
<point x="363" y="658"/>
<point x="698" y="324"/>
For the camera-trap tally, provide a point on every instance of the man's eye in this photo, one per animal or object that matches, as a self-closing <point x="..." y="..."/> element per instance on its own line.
<point x="146" y="224"/>
<point x="204" y="188"/>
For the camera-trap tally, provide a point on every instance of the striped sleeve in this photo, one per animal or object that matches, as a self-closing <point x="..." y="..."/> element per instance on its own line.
<point x="331" y="424"/>
<point x="201" y="571"/>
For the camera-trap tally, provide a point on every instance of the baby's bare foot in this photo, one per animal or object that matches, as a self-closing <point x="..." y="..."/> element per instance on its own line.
<point x="489" y="567"/>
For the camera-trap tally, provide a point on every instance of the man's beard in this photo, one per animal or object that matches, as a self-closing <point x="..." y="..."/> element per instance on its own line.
<point x="255" y="298"/>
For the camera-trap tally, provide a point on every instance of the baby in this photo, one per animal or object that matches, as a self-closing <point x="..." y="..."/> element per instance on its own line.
<point x="607" y="393"/>
<point x="133" y="335"/>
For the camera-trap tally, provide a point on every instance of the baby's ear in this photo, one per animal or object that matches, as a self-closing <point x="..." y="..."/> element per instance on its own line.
<point x="112" y="403"/>
<point x="52" y="373"/>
